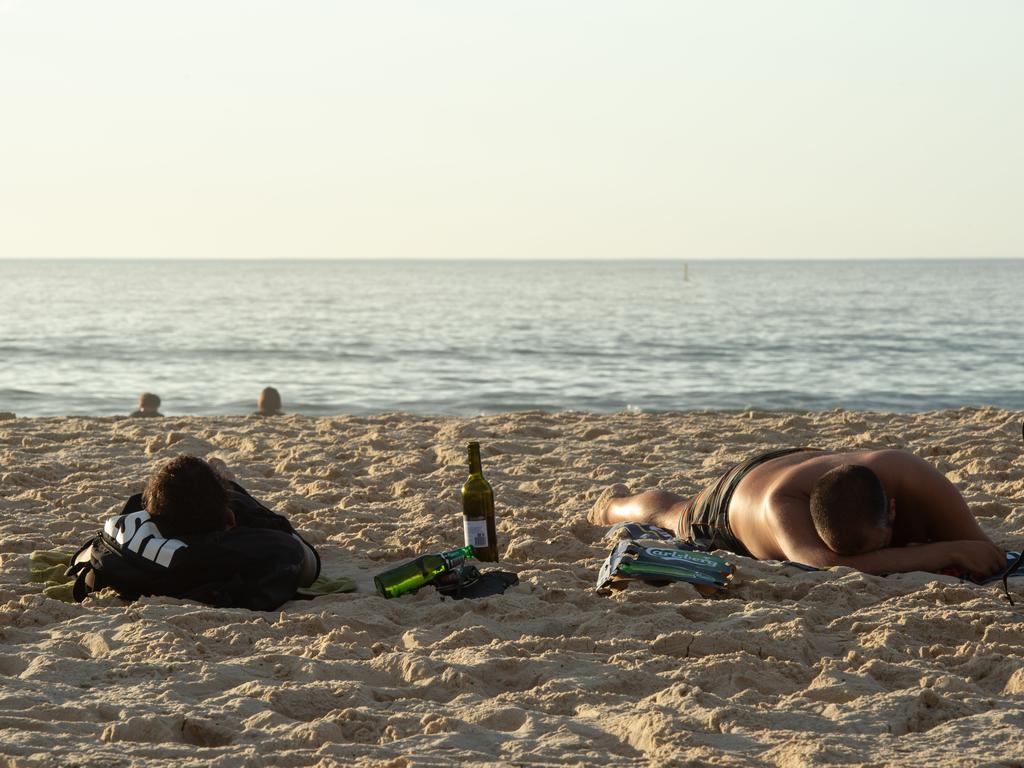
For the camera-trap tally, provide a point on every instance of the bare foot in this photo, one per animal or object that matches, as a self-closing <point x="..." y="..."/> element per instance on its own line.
<point x="218" y="466"/>
<point x="599" y="513"/>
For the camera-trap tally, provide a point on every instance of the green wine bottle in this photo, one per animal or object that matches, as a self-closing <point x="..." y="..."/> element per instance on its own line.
<point x="416" y="573"/>
<point x="478" y="510"/>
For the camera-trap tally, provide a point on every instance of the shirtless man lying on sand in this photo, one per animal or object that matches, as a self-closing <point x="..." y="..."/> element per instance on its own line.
<point x="876" y="511"/>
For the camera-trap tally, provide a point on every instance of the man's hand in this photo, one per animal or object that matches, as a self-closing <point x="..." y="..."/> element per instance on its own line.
<point x="978" y="558"/>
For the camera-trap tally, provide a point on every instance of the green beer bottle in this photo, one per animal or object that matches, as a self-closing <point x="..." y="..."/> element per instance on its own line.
<point x="478" y="510"/>
<point x="416" y="573"/>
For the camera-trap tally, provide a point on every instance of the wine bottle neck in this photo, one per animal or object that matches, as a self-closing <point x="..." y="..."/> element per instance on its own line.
<point x="474" y="459"/>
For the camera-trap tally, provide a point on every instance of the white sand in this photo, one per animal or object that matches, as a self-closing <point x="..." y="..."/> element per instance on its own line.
<point x="790" y="669"/>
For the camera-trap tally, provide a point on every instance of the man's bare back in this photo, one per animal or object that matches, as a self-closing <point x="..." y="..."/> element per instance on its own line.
<point x="929" y="524"/>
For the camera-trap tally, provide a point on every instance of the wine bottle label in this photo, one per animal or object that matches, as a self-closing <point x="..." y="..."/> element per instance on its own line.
<point x="476" y="532"/>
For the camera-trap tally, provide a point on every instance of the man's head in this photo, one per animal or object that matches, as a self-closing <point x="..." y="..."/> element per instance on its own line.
<point x="186" y="496"/>
<point x="149" y="403"/>
<point x="269" y="402"/>
<point x="850" y="510"/>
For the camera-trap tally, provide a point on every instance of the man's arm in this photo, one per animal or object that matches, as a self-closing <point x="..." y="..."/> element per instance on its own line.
<point x="799" y="541"/>
<point x="925" y="493"/>
<point x="975" y="557"/>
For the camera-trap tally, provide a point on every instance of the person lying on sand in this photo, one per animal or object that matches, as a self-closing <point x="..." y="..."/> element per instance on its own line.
<point x="877" y="511"/>
<point x="189" y="496"/>
<point x="195" y="532"/>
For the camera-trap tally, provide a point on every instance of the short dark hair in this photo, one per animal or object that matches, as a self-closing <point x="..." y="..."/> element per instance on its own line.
<point x="186" y="496"/>
<point x="148" y="401"/>
<point x="847" y="502"/>
<point x="269" y="402"/>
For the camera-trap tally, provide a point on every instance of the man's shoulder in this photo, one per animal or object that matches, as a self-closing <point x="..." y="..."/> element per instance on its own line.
<point x="893" y="457"/>
<point x="790" y="486"/>
<point x="903" y="474"/>
<point x="885" y="454"/>
<point x="787" y="489"/>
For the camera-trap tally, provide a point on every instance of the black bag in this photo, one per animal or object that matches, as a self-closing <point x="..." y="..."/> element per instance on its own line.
<point x="255" y="565"/>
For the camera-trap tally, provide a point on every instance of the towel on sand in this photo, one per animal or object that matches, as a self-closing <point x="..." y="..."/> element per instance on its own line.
<point x="48" y="567"/>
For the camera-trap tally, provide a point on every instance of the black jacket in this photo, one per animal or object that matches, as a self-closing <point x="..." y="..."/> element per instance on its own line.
<point x="256" y="564"/>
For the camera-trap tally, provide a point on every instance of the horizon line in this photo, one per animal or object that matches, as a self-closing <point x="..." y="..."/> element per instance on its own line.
<point x="465" y="259"/>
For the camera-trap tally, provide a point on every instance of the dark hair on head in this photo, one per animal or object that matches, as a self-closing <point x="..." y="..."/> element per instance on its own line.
<point x="186" y="496"/>
<point x="848" y="502"/>
<point x="148" y="401"/>
<point x="269" y="402"/>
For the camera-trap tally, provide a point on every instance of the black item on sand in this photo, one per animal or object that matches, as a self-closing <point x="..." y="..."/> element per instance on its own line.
<point x="469" y="582"/>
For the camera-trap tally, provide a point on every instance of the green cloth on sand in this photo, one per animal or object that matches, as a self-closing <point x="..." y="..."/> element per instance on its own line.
<point x="325" y="586"/>
<point x="48" y="567"/>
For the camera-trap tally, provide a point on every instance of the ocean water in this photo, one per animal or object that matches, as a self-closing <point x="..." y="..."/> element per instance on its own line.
<point x="86" y="337"/>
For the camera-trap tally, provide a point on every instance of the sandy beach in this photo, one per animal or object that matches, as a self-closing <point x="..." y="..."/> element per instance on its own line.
<point x="786" y="669"/>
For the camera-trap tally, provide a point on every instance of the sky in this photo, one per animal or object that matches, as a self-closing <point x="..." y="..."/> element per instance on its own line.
<point x="552" y="130"/>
